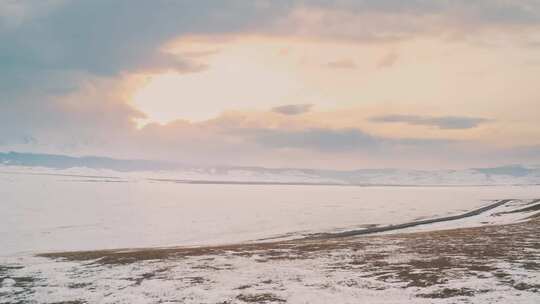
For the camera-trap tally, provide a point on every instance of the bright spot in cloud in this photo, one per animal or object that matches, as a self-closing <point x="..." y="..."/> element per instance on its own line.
<point x="250" y="74"/>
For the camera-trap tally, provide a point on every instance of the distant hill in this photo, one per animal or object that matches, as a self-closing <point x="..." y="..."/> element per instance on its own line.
<point x="503" y="175"/>
<point x="512" y="170"/>
<point x="94" y="162"/>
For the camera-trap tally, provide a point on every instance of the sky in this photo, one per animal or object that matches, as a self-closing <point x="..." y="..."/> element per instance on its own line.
<point x="324" y="84"/>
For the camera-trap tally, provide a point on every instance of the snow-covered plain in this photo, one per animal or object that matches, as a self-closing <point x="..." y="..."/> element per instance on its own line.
<point x="55" y="210"/>
<point x="45" y="210"/>
<point x="488" y="264"/>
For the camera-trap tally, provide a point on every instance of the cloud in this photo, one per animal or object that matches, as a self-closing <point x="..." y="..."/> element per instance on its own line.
<point x="62" y="62"/>
<point x="239" y="138"/>
<point x="293" y="109"/>
<point x="394" y="20"/>
<point x="387" y="60"/>
<point x="251" y="139"/>
<point x="93" y="37"/>
<point x="442" y="122"/>
<point x="341" y="64"/>
<point x="344" y="140"/>
<point x="56" y="46"/>
<point x="54" y="51"/>
<point x="319" y="139"/>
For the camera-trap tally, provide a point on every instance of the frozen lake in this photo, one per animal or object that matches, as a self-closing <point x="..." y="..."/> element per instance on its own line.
<point x="51" y="213"/>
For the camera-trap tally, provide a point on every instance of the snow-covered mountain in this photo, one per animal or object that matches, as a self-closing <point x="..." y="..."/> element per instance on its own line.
<point x="168" y="171"/>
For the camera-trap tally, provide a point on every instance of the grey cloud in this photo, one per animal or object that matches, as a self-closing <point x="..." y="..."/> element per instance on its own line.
<point x="109" y="37"/>
<point x="523" y="153"/>
<point x="230" y="140"/>
<point x="346" y="140"/>
<point x="238" y="129"/>
<point x="442" y="122"/>
<point x="317" y="139"/>
<point x="392" y="20"/>
<point x="479" y="12"/>
<point x="52" y="48"/>
<point x="294" y="109"/>
<point x="387" y="60"/>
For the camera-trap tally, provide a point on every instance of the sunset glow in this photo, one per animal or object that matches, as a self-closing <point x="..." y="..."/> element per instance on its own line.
<point x="454" y="80"/>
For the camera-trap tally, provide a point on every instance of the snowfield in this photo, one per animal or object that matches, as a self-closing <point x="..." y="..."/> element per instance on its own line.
<point x="59" y="210"/>
<point x="96" y="236"/>
<point x="488" y="264"/>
